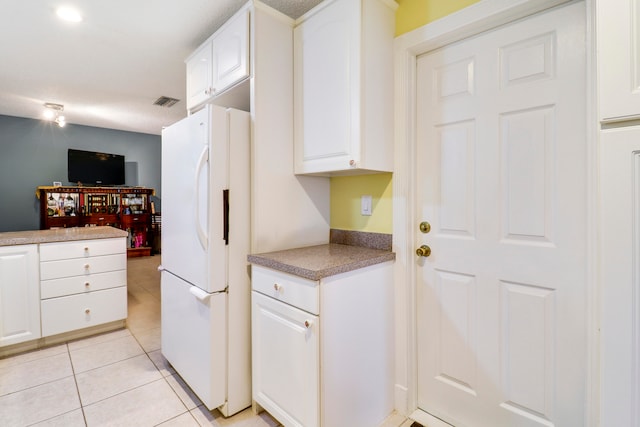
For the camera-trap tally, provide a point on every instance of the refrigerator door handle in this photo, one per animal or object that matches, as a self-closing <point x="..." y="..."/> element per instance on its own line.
<point x="202" y="235"/>
<point x="225" y="215"/>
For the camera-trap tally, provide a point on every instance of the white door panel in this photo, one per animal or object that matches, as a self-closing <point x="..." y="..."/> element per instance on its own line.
<point x="502" y="167"/>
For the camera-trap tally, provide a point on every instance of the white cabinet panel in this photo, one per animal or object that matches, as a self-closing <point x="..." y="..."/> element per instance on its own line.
<point x="620" y="258"/>
<point x="285" y="361"/>
<point x="618" y="59"/>
<point x="19" y="294"/>
<point x="231" y="52"/>
<point x="334" y="369"/>
<point x="199" y="75"/>
<point x="343" y="88"/>
<point x="81" y="249"/>
<point x="82" y="266"/>
<point x="220" y="62"/>
<point x="73" y="312"/>
<point x="293" y="290"/>
<point x="81" y="284"/>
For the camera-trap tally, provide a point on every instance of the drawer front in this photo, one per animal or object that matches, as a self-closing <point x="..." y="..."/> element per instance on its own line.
<point x="82" y="249"/>
<point x="134" y="219"/>
<point x="73" y="312"/>
<point x="82" y="284"/>
<point x="82" y="266"/>
<point x="293" y="290"/>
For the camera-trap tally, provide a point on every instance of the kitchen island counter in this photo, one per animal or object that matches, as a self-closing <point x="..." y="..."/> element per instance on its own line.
<point x="12" y="238"/>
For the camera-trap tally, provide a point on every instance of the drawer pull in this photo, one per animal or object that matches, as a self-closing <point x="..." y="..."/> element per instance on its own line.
<point x="86" y="266"/>
<point x="87" y="311"/>
<point x="87" y="284"/>
<point x="277" y="287"/>
<point x="86" y="249"/>
<point x="308" y="323"/>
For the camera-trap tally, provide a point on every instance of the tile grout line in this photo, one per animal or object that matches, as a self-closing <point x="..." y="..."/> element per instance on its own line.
<point x="75" y="381"/>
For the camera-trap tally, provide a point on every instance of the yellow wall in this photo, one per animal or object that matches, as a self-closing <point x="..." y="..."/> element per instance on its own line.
<point x="412" y="14"/>
<point x="346" y="191"/>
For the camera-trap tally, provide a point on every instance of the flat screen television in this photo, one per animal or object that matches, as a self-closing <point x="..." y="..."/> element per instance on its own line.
<point x="92" y="168"/>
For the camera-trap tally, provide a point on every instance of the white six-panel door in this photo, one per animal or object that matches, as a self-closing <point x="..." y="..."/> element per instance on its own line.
<point x="501" y="169"/>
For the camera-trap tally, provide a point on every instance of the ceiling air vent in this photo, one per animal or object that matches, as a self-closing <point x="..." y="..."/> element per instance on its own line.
<point x="165" y="101"/>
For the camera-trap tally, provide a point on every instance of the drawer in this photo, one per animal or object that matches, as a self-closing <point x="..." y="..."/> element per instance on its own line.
<point x="294" y="290"/>
<point x="132" y="220"/>
<point x="82" y="266"/>
<point x="73" y="312"/>
<point x="82" y="249"/>
<point x="82" y="284"/>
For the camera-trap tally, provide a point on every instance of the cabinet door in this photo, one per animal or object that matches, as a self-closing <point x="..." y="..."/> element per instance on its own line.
<point x="231" y="53"/>
<point x="619" y="59"/>
<point x="327" y="89"/>
<point x="620" y="257"/>
<point x="19" y="294"/>
<point x="199" y="75"/>
<point x="285" y="361"/>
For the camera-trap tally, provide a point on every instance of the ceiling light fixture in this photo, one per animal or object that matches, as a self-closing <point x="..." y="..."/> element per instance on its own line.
<point x="69" y="14"/>
<point x="52" y="113"/>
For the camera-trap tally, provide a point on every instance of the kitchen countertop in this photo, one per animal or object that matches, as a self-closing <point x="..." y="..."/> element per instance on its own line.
<point x="11" y="238"/>
<point x="317" y="262"/>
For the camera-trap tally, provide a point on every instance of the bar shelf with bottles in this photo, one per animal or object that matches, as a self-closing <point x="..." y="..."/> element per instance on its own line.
<point x="128" y="208"/>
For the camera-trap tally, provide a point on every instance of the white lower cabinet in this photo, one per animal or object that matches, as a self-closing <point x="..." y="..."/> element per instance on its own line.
<point x="19" y="294"/>
<point x="323" y="350"/>
<point x="82" y="284"/>
<point x="286" y="364"/>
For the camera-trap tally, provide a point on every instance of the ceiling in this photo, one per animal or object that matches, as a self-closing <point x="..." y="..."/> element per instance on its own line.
<point x="108" y="69"/>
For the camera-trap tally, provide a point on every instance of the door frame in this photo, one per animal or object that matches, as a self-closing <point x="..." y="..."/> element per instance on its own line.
<point x="472" y="20"/>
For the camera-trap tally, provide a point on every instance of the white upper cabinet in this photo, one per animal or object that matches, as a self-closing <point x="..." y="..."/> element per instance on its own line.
<point x="618" y="24"/>
<point x="343" y="88"/>
<point x="220" y="62"/>
<point x="199" y="75"/>
<point x="230" y="52"/>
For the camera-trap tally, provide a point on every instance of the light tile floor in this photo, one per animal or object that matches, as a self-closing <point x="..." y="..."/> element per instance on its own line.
<point x="115" y="379"/>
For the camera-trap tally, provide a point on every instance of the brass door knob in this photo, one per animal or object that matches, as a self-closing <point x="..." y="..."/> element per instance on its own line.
<point x="424" y="251"/>
<point x="425" y="227"/>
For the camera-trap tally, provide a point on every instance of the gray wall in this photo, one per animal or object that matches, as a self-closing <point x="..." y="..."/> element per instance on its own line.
<point x="34" y="153"/>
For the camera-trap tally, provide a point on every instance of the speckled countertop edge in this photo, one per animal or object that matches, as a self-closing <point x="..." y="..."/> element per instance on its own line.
<point x="318" y="262"/>
<point x="12" y="238"/>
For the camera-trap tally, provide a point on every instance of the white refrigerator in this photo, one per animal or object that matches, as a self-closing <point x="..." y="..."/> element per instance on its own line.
<point x="206" y="313"/>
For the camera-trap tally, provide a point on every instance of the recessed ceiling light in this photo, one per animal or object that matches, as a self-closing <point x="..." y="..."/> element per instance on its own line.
<point x="69" y="14"/>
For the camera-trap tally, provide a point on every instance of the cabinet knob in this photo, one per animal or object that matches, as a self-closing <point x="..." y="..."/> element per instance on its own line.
<point x="87" y="284"/>
<point x="277" y="287"/>
<point x="87" y="311"/>
<point x="86" y="266"/>
<point x="86" y="249"/>
<point x="308" y="323"/>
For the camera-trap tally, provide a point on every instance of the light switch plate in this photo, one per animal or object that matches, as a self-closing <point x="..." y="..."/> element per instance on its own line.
<point x="365" y="205"/>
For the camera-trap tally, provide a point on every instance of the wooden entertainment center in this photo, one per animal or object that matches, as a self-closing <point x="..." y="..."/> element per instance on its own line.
<point x="127" y="208"/>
